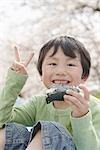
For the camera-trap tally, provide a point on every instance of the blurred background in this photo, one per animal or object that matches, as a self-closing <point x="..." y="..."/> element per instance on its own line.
<point x="30" y="23"/>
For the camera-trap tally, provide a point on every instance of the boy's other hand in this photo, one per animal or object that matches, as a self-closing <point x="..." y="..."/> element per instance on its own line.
<point x="18" y="66"/>
<point x="78" y="102"/>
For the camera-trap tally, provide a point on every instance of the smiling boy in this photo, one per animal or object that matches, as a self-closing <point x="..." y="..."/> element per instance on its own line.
<point x="64" y="61"/>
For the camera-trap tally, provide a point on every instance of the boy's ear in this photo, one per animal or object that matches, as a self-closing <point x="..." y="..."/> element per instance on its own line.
<point x="84" y="79"/>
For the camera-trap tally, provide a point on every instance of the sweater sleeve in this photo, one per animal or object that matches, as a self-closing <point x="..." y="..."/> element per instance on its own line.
<point x="13" y="85"/>
<point x="86" y="130"/>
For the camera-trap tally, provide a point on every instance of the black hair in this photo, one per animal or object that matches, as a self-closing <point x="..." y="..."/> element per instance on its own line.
<point x="71" y="47"/>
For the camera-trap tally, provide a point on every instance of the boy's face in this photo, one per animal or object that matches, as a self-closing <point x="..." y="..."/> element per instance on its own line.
<point x="61" y="69"/>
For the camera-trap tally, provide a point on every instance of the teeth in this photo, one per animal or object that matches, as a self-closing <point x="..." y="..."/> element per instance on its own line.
<point x="61" y="82"/>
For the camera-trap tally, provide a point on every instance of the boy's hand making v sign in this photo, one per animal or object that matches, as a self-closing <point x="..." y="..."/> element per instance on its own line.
<point x="18" y="66"/>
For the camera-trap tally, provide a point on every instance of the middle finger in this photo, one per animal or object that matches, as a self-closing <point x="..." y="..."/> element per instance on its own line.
<point x="27" y="61"/>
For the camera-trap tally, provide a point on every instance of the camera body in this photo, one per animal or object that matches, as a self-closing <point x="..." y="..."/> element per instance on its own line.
<point x="57" y="92"/>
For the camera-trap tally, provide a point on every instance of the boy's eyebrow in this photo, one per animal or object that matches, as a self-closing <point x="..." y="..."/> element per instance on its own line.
<point x="67" y="58"/>
<point x="52" y="57"/>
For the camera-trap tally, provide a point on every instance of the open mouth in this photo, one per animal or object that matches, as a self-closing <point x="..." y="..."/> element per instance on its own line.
<point x="63" y="82"/>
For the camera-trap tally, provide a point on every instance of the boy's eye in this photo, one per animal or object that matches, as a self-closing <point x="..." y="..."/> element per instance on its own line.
<point x="70" y="64"/>
<point x="52" y="64"/>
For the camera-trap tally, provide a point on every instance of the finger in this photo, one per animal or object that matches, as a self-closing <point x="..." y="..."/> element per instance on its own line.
<point x="17" y="56"/>
<point x="72" y="100"/>
<point x="86" y="92"/>
<point x="76" y="95"/>
<point x="77" y="105"/>
<point x="27" y="61"/>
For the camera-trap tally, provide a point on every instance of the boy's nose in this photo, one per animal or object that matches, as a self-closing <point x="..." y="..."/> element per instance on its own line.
<point x="61" y="70"/>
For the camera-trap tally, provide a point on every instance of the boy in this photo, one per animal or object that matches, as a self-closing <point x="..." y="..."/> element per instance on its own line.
<point x="62" y="61"/>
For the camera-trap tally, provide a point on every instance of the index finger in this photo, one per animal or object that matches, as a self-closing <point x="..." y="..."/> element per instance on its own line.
<point x="29" y="58"/>
<point x="17" y="55"/>
<point x="86" y="92"/>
